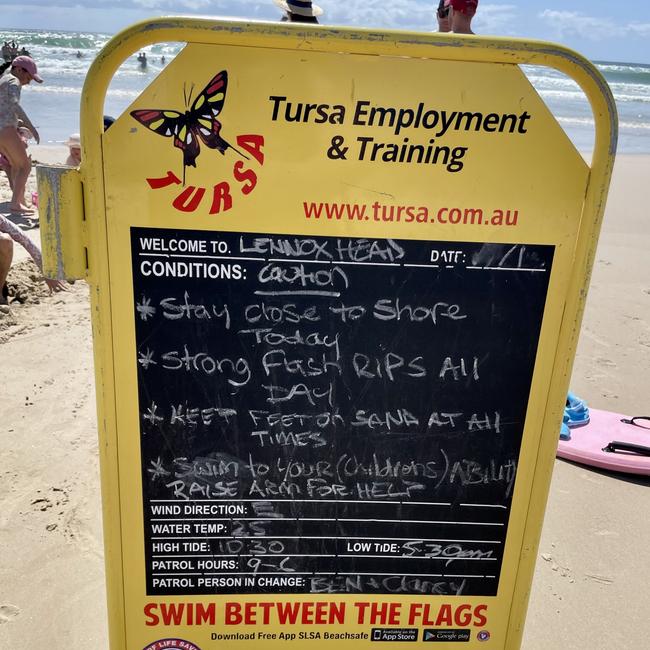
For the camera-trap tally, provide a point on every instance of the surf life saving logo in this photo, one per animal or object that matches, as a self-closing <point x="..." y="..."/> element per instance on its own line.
<point x="198" y="125"/>
<point x="172" y="644"/>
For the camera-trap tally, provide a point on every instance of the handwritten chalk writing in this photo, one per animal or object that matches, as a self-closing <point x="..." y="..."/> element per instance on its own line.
<point x="213" y="490"/>
<point x="185" y="309"/>
<point x="388" y="489"/>
<point x="291" y="247"/>
<point x="403" y="584"/>
<point x="308" y="367"/>
<point x="265" y="488"/>
<point x="145" y="309"/>
<point x="291" y="469"/>
<point x="298" y="274"/>
<point x="238" y="369"/>
<point x="367" y="250"/>
<point x="352" y="466"/>
<point x="202" y="467"/>
<point x="252" y="545"/>
<point x="459" y="370"/>
<point x="287" y="420"/>
<point x="241" y="528"/>
<point x="192" y="416"/>
<point x="471" y="472"/>
<point x="255" y="563"/>
<point x="373" y="368"/>
<point x="448" y="552"/>
<point x="352" y="312"/>
<point x="286" y="313"/>
<point x="345" y="475"/>
<point x="302" y="392"/>
<point x="389" y="420"/>
<point x="318" y="488"/>
<point x="359" y="406"/>
<point x="321" y="488"/>
<point x="484" y="423"/>
<point x="289" y="439"/>
<point x="440" y="419"/>
<point x="145" y="359"/>
<point x="313" y="339"/>
<point x="388" y="309"/>
<point x="464" y="422"/>
<point x="151" y="414"/>
<point x="392" y="584"/>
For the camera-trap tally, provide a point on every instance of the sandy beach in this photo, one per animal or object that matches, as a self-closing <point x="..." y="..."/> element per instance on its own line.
<point x="592" y="581"/>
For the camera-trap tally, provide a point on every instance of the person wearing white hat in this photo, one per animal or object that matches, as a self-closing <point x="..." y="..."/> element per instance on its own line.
<point x="23" y="70"/>
<point x="299" y="11"/>
<point x="74" y="149"/>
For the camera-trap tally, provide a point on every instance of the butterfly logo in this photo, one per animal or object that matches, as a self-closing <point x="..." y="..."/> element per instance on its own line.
<point x="199" y="123"/>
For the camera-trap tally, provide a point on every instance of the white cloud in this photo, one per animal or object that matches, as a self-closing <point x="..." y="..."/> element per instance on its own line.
<point x="572" y="23"/>
<point x="496" y="19"/>
<point x="193" y="5"/>
<point x="404" y="14"/>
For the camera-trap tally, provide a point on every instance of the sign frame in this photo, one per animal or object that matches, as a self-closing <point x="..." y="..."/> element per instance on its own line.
<point x="441" y="47"/>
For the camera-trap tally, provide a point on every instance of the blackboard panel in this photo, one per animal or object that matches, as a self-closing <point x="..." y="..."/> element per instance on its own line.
<point x="330" y="414"/>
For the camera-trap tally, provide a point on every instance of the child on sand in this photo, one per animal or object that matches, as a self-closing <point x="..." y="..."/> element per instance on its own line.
<point x="74" y="150"/>
<point x="9" y="233"/>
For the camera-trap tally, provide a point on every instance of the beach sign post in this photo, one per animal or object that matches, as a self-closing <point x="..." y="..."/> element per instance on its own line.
<point x="337" y="278"/>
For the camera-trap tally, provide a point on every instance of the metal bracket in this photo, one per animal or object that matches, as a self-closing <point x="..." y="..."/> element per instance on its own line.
<point x="62" y="222"/>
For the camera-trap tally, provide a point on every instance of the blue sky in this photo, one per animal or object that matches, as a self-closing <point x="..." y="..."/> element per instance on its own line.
<point x="618" y="31"/>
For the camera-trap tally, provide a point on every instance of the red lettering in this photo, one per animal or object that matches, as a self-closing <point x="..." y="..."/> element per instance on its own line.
<point x="253" y="144"/>
<point x="232" y="614"/>
<point x="307" y="618"/>
<point x="221" y="194"/>
<point x="195" y="613"/>
<point x="288" y="612"/>
<point x="480" y="619"/>
<point x="150" y="614"/>
<point x="171" y="613"/>
<point x="444" y="615"/>
<point x="266" y="608"/>
<point x="463" y="615"/>
<point x="244" y="175"/>
<point x="165" y="181"/>
<point x="188" y="200"/>
<point x="249" y="614"/>
<point x="362" y="608"/>
<point x="206" y="614"/>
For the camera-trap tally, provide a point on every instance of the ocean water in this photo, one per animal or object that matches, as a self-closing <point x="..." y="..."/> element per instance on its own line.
<point x="54" y="105"/>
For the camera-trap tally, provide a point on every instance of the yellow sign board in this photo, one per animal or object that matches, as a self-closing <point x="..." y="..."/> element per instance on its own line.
<point x="337" y="279"/>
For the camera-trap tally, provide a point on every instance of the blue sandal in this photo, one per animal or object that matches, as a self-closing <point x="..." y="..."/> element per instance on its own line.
<point x="565" y="432"/>
<point x="576" y="411"/>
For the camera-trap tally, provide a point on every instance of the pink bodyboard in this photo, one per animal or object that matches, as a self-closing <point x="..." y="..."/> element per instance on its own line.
<point x="587" y="442"/>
